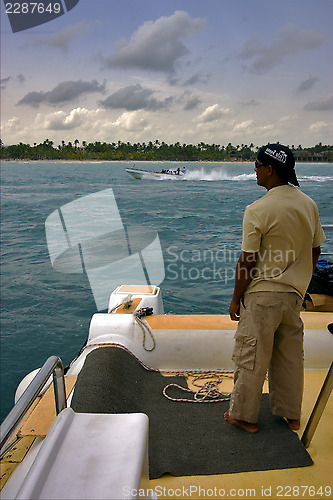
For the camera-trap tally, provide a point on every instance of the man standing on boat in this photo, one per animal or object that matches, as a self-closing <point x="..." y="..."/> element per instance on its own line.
<point x="281" y="242"/>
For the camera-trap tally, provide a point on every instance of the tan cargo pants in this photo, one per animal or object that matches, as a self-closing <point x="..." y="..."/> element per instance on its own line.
<point x="269" y="337"/>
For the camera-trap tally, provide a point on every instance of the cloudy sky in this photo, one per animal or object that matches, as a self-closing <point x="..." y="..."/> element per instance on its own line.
<point x="216" y="71"/>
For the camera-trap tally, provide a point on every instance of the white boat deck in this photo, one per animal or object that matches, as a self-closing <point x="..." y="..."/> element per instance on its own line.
<point x="183" y="343"/>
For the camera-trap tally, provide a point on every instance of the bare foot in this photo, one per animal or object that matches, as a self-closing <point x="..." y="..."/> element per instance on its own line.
<point x="247" y="426"/>
<point x="294" y="424"/>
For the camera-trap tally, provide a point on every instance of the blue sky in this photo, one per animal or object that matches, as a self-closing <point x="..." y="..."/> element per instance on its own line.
<point x="192" y="71"/>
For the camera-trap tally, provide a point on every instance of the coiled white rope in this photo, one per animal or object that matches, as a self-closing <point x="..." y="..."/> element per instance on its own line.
<point x="139" y="316"/>
<point x="209" y="392"/>
<point x="145" y="329"/>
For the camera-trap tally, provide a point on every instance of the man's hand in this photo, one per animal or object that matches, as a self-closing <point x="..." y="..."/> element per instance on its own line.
<point x="234" y="310"/>
<point x="245" y="265"/>
<point x="315" y="256"/>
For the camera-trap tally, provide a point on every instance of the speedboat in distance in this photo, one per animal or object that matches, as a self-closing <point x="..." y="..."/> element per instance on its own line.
<point x="137" y="173"/>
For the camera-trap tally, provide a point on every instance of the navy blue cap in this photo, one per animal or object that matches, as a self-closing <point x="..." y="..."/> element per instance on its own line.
<point x="281" y="159"/>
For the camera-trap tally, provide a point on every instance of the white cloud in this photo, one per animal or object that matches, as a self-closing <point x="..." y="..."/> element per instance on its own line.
<point x="247" y="130"/>
<point x="156" y="45"/>
<point x="132" y="121"/>
<point x="288" y="118"/>
<point x="11" y="126"/>
<point x="319" y="127"/>
<point x="264" y="130"/>
<point x="62" y="121"/>
<point x="15" y="130"/>
<point x="86" y="121"/>
<point x="243" y="126"/>
<point x="213" y="113"/>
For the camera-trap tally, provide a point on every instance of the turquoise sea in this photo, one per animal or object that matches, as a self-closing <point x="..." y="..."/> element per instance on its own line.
<point x="198" y="221"/>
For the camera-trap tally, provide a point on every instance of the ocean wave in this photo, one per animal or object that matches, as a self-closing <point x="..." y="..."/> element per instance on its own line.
<point x="222" y="174"/>
<point x="316" y="178"/>
<point x="216" y="175"/>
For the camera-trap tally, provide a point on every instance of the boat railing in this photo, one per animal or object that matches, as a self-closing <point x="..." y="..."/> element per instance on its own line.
<point x="318" y="408"/>
<point x="52" y="366"/>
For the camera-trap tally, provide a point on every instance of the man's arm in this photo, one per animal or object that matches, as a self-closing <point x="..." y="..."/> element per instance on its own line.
<point x="246" y="263"/>
<point x="315" y="256"/>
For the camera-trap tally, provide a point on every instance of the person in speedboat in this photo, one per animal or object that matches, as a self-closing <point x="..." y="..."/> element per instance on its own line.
<point x="281" y="242"/>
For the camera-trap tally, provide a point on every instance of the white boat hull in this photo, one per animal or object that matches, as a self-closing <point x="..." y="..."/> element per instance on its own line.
<point x="146" y="174"/>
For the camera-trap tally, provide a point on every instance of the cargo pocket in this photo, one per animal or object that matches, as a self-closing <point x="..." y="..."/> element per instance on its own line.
<point x="245" y="349"/>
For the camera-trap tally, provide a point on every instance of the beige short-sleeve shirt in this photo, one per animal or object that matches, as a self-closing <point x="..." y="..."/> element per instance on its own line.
<point x="283" y="227"/>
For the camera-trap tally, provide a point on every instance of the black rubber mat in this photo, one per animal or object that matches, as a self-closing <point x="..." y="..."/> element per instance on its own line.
<point x="184" y="438"/>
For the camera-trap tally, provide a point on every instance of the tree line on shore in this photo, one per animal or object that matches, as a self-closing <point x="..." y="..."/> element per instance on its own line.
<point x="151" y="151"/>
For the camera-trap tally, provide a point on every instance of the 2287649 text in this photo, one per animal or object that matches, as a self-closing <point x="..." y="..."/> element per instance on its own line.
<point x="33" y="8"/>
<point x="303" y="491"/>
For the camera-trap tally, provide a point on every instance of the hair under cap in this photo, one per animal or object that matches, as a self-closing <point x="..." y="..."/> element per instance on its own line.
<point x="281" y="159"/>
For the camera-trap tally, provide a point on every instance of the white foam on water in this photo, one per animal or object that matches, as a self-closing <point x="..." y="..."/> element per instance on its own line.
<point x="315" y="178"/>
<point x="221" y="174"/>
<point x="218" y="174"/>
